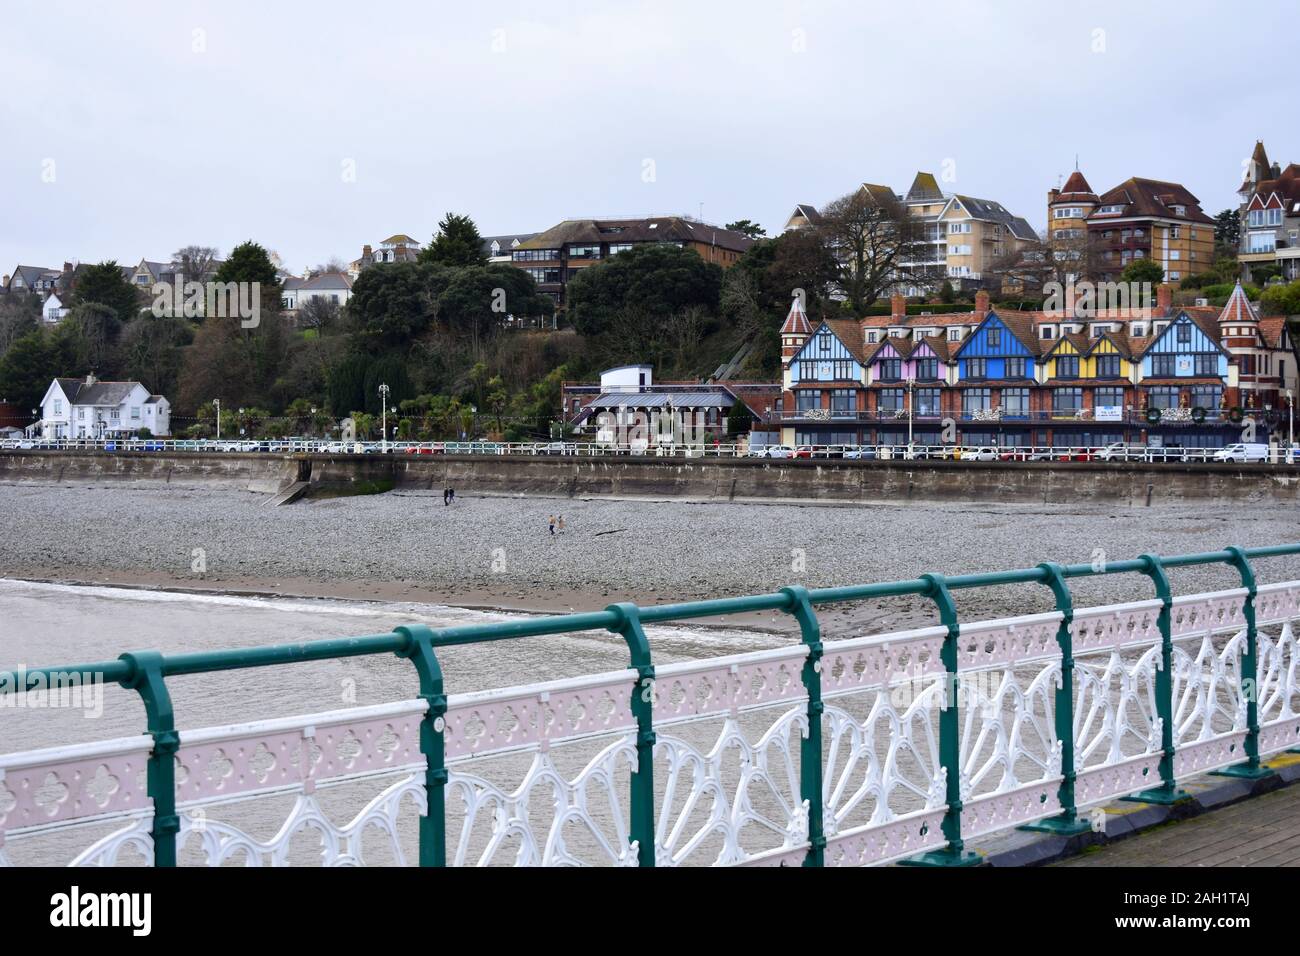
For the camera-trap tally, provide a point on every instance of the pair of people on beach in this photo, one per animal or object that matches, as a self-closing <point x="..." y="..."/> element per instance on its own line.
<point x="556" y="522"/>
<point x="448" y="496"/>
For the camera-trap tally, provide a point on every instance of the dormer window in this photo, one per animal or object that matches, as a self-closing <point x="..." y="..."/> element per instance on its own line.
<point x="871" y="337"/>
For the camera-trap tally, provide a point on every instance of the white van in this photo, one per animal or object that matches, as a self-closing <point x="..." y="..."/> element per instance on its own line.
<point x="1243" y="451"/>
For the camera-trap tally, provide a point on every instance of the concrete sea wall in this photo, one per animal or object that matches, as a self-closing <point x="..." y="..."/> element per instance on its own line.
<point x="715" y="479"/>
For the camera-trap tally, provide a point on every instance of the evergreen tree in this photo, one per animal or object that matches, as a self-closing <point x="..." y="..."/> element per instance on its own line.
<point x="457" y="243"/>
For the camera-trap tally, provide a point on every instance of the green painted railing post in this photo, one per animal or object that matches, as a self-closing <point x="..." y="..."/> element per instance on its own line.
<point x="810" y="747"/>
<point x="433" y="825"/>
<point x="1067" y="822"/>
<point x="641" y="823"/>
<point x="146" y="679"/>
<point x="1167" y="792"/>
<point x="955" y="853"/>
<point x="1250" y="768"/>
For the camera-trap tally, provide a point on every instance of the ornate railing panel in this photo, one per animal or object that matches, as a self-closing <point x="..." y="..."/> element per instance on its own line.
<point x="881" y="748"/>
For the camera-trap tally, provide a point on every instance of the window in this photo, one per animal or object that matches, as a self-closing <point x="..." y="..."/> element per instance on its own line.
<point x="1206" y="396"/>
<point x="1015" y="368"/>
<point x="135" y="413"/>
<point x="1162" y="366"/>
<point x="534" y="255"/>
<point x="976" y="399"/>
<point x="1066" y="401"/>
<point x="843" y="371"/>
<point x="1015" y="402"/>
<point x="584" y="252"/>
<point x="1207" y="363"/>
<point x="824" y="342"/>
<point x="808" y="399"/>
<point x="871" y="337"/>
<point x="81" y="414"/>
<point x="1262" y="242"/>
<point x="1110" y="395"/>
<point x="1111" y="210"/>
<point x="954" y="335"/>
<point x="1067" y="366"/>
<point x="616" y="247"/>
<point x="844" y="401"/>
<point x="1108" y="366"/>
<point x="927" y="369"/>
<point x="113" y="415"/>
<point x="994" y="336"/>
<point x="58" y="407"/>
<point x="891" y="401"/>
<point x="977" y="368"/>
<point x="1047" y="332"/>
<point x="1184" y="333"/>
<point x="551" y="275"/>
<point x="891" y="370"/>
<point x="1162" y="396"/>
<point x="925" y="401"/>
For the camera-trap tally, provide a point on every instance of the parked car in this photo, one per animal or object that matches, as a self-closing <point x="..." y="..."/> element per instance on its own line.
<point x="1122" y="451"/>
<point x="775" y="451"/>
<point x="1243" y="452"/>
<point x="984" y="453"/>
<point x="829" y="451"/>
<point x="859" y="452"/>
<point x="803" y="451"/>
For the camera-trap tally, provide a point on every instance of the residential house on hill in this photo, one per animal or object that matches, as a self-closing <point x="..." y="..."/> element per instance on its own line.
<point x="89" y="408"/>
<point x="1138" y="219"/>
<point x="1270" y="218"/>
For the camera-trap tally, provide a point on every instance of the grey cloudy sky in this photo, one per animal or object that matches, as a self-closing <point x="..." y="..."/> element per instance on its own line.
<point x="133" y="129"/>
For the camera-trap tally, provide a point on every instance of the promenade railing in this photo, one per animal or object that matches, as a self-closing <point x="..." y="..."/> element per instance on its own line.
<point x="897" y="747"/>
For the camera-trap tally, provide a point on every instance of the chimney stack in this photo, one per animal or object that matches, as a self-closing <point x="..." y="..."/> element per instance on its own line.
<point x="365" y="252"/>
<point x="67" y="267"/>
<point x="898" y="307"/>
<point x="981" y="305"/>
<point x="1164" y="298"/>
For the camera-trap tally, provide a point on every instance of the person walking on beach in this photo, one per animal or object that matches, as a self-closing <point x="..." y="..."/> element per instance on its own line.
<point x="451" y="494"/>
<point x="559" y="524"/>
<point x="445" y="493"/>
<point x="551" y="522"/>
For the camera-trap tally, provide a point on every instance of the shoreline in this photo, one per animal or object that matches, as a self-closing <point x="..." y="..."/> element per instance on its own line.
<point x="550" y="602"/>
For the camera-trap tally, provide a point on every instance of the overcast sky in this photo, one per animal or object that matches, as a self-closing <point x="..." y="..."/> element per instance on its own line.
<point x="133" y="129"/>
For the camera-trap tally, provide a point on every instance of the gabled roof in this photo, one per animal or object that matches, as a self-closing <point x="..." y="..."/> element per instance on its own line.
<point x="849" y="332"/>
<point x="1285" y="187"/>
<point x="97" y="393"/>
<point x="808" y="212"/>
<point x="400" y="239"/>
<point x="504" y="243"/>
<point x="1206" y="323"/>
<point x="881" y="195"/>
<point x="31" y="274"/>
<point x="1238" y="307"/>
<point x="796" y="322"/>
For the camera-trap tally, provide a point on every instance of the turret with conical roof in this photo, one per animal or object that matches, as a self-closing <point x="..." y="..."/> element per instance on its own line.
<point x="1069" y="207"/>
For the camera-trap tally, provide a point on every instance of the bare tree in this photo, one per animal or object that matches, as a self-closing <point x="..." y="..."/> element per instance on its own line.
<point x="318" y="313"/>
<point x="196" y="263"/>
<point x="332" y="264"/>
<point x="1063" y="260"/>
<point x="875" y="242"/>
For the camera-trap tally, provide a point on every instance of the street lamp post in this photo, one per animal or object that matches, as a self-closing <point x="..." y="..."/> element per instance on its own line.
<point x="1290" y="417"/>
<point x="383" y="421"/>
<point x="911" y="384"/>
<point x="217" y="403"/>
